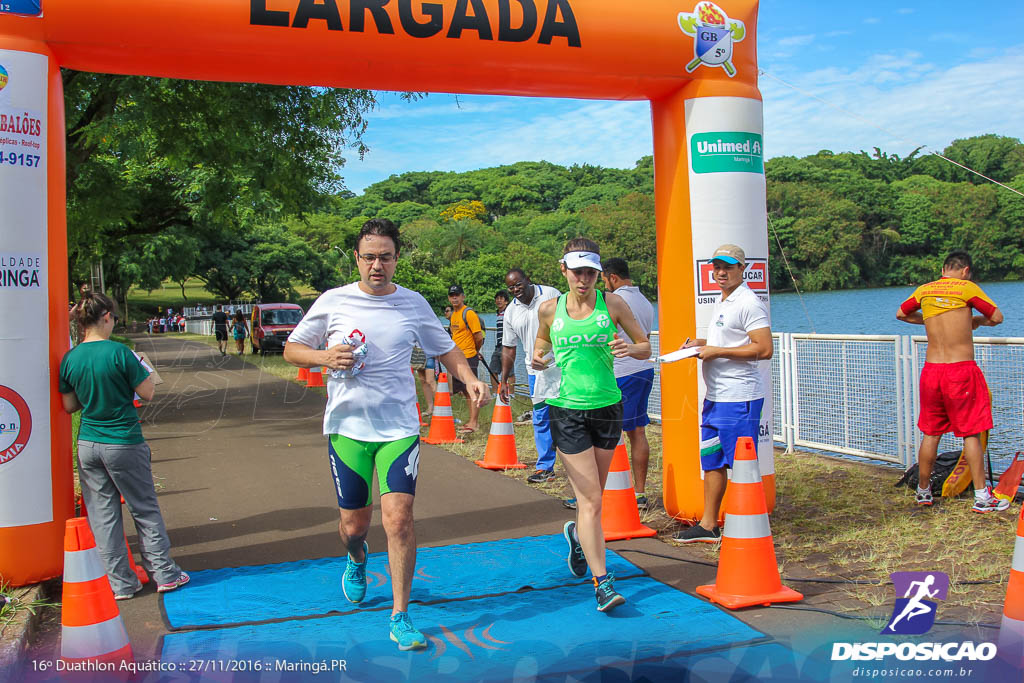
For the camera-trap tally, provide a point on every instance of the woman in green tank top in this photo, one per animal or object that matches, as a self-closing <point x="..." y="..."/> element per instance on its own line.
<point x="578" y="328"/>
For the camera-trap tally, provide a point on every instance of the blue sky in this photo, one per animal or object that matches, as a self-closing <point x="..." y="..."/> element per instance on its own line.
<point x="925" y="72"/>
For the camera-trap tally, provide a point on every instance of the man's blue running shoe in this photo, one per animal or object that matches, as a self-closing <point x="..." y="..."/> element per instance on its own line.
<point x="353" y="584"/>
<point x="607" y="597"/>
<point x="405" y="634"/>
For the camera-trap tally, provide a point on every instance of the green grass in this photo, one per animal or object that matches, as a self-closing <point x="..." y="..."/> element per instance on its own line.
<point x="143" y="303"/>
<point x="16" y="605"/>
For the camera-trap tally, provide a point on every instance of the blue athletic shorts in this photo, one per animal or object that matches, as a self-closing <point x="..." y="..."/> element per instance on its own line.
<point x="636" y="391"/>
<point x="430" y="363"/>
<point x="721" y="424"/>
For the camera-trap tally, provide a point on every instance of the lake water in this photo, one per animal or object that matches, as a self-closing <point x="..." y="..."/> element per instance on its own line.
<point x="872" y="311"/>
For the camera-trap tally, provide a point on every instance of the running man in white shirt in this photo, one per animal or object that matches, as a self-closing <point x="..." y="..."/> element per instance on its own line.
<point x="369" y="329"/>
<point x="739" y="336"/>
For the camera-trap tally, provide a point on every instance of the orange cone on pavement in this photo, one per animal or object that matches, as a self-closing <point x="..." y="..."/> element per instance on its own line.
<point x="91" y="626"/>
<point x="303" y="375"/>
<point x="315" y="378"/>
<point x="139" y="571"/>
<point x="442" y="423"/>
<point x="747" y="571"/>
<point x="1011" y="631"/>
<point x="620" y="517"/>
<point x="501" y="444"/>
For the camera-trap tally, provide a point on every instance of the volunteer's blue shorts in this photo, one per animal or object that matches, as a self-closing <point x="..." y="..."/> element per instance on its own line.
<point x="721" y="424"/>
<point x="430" y="363"/>
<point x="636" y="391"/>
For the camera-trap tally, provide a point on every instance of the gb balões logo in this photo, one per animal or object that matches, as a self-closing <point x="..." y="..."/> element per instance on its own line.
<point x="714" y="33"/>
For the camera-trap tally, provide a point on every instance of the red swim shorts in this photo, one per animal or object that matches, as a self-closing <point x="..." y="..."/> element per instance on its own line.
<point x="954" y="397"/>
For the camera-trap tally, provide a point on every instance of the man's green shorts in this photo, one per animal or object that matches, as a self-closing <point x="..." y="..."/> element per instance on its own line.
<point x="353" y="462"/>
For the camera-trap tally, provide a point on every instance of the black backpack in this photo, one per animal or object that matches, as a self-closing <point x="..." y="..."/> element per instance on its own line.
<point x="944" y="465"/>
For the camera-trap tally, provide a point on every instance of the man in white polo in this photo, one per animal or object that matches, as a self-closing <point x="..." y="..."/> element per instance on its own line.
<point x="739" y="336"/>
<point x="520" y="324"/>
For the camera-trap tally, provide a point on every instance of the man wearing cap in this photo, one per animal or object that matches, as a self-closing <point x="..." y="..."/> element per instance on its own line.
<point x="520" y="325"/>
<point x="739" y="335"/>
<point x="468" y="335"/>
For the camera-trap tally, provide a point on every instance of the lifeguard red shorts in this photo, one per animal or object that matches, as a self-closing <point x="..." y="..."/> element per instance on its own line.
<point x="954" y="397"/>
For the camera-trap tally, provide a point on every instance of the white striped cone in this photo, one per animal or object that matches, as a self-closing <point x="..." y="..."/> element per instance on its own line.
<point x="1011" y="631"/>
<point x="442" y="423"/>
<point x="501" y="444"/>
<point x="620" y="517"/>
<point x="747" y="571"/>
<point x="91" y="626"/>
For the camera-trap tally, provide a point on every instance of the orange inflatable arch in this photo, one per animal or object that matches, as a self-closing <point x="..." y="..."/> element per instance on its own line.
<point x="696" y="62"/>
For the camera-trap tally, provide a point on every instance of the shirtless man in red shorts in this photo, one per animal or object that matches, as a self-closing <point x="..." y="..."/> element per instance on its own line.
<point x="954" y="394"/>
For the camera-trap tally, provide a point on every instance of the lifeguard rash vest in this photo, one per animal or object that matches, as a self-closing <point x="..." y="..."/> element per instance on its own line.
<point x="948" y="294"/>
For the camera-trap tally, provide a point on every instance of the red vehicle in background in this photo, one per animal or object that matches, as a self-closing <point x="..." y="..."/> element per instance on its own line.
<point x="271" y="325"/>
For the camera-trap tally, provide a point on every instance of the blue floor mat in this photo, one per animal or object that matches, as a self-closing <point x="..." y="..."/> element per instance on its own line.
<point x="238" y="595"/>
<point x="542" y="633"/>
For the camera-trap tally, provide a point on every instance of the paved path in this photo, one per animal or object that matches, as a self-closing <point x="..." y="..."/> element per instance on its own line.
<point x="243" y="479"/>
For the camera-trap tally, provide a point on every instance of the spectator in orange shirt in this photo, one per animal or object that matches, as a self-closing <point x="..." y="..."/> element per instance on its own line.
<point x="468" y="335"/>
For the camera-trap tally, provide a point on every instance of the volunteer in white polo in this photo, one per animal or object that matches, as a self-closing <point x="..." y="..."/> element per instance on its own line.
<point x="739" y="335"/>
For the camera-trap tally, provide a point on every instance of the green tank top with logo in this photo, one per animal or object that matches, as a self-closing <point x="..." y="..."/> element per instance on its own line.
<point x="581" y="351"/>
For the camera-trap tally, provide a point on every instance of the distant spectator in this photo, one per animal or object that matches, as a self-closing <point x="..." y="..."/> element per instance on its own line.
<point x="501" y="299"/>
<point x="220" y="329"/>
<point x="468" y="335"/>
<point x="240" y="330"/>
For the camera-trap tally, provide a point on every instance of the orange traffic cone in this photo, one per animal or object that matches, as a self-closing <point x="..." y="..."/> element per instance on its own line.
<point x="303" y="375"/>
<point x="442" y="424"/>
<point x="316" y="378"/>
<point x="139" y="571"/>
<point x="620" y="517"/>
<point x="501" y="444"/>
<point x="747" y="571"/>
<point x="91" y="626"/>
<point x="1011" y="632"/>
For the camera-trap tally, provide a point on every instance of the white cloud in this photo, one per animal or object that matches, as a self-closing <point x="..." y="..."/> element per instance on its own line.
<point x="872" y="20"/>
<point x="796" y="41"/>
<point x="905" y="10"/>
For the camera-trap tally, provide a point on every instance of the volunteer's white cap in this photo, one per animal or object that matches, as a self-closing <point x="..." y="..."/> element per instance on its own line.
<point x="582" y="259"/>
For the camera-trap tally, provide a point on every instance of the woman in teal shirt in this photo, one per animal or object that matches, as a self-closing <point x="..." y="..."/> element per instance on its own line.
<point x="586" y="417"/>
<point x="100" y="377"/>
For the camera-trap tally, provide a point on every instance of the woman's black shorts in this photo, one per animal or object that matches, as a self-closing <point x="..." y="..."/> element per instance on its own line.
<point x="574" y="431"/>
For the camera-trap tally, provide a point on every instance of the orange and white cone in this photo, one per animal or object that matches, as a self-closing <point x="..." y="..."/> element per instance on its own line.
<point x="316" y="378"/>
<point x="91" y="626"/>
<point x="1011" y="632"/>
<point x="620" y="517"/>
<point x="442" y="422"/>
<point x="303" y="375"/>
<point x="139" y="571"/>
<point x="501" y="444"/>
<point x="747" y="571"/>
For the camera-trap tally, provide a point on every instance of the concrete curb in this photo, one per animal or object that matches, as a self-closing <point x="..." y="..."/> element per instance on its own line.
<point x="16" y="635"/>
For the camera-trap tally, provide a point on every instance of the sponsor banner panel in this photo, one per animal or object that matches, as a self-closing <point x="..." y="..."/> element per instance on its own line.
<point x="25" y="475"/>
<point x="727" y="200"/>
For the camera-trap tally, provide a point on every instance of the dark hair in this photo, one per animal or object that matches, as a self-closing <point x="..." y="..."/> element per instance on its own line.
<point x="616" y="266"/>
<point x="92" y="307"/>
<point x="958" y="259"/>
<point x="219" y="307"/>
<point x="239" y="317"/>
<point x="517" y="270"/>
<point x="502" y="294"/>
<point x="582" y="244"/>
<point x="382" y="227"/>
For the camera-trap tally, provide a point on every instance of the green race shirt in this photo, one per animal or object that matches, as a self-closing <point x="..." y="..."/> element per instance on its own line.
<point x="104" y="374"/>
<point x="581" y="351"/>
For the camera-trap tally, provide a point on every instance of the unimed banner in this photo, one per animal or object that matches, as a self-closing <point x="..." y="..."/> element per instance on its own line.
<point x="25" y="476"/>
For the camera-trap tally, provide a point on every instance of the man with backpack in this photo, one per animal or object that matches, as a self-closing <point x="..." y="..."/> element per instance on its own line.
<point x="468" y="335"/>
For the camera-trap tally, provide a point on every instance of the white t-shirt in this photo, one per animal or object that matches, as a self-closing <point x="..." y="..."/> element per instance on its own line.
<point x="643" y="311"/>
<point x="732" y="319"/>
<point x="521" y="324"/>
<point x="378" y="404"/>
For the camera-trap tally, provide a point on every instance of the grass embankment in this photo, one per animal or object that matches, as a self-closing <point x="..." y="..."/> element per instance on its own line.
<point x="142" y="303"/>
<point x="833" y="519"/>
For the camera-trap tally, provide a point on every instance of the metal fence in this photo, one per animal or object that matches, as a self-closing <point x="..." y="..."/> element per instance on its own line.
<point x="858" y="395"/>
